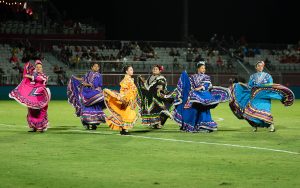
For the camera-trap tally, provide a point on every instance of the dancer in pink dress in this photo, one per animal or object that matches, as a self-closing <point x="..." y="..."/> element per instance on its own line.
<point x="32" y="93"/>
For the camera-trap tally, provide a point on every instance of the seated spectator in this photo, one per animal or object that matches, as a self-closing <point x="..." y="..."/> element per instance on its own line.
<point x="112" y="57"/>
<point x="143" y="57"/>
<point x="176" y="64"/>
<point x="251" y="53"/>
<point x="150" y="55"/>
<point x="14" y="59"/>
<point x="189" y="56"/>
<point x="256" y="51"/>
<point x="77" y="28"/>
<point x="75" y="60"/>
<point x="195" y="50"/>
<point x="1" y="76"/>
<point x="198" y="58"/>
<point x="220" y="63"/>
<point x="230" y="66"/>
<point x="172" y="52"/>
<point x="1" y="71"/>
<point x="60" y="80"/>
<point x="56" y="69"/>
<point x="136" y="58"/>
<point x="18" y="68"/>
<point x="62" y="71"/>
<point x="268" y="64"/>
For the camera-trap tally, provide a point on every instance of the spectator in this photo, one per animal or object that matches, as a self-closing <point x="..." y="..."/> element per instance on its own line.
<point x="229" y="66"/>
<point x="20" y="71"/>
<point x="268" y="64"/>
<point x="220" y="63"/>
<point x="198" y="58"/>
<point x="172" y="52"/>
<point x="189" y="55"/>
<point x="77" y="28"/>
<point x="56" y="69"/>
<point x="14" y="59"/>
<point x="60" y="80"/>
<point x="175" y="64"/>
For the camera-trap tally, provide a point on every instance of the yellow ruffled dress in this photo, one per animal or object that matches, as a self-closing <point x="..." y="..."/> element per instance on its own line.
<point x="122" y="105"/>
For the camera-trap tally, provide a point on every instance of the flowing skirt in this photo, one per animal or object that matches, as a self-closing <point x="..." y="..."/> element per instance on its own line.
<point x="36" y="98"/>
<point x="123" y="114"/>
<point x="255" y="105"/>
<point x="88" y="103"/>
<point x="31" y="96"/>
<point x="192" y="108"/>
<point x="154" y="110"/>
<point x="38" y="118"/>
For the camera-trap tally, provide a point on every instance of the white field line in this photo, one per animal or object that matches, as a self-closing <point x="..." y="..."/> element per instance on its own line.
<point x="177" y="140"/>
<point x="6" y="125"/>
<point x="194" y="142"/>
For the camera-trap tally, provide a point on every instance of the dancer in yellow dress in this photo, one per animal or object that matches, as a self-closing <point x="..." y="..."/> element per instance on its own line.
<point x="122" y="105"/>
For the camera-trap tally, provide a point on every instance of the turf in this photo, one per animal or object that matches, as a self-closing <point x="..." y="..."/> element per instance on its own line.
<point x="69" y="156"/>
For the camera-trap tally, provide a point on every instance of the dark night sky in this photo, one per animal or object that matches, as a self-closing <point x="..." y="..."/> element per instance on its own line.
<point x="258" y="20"/>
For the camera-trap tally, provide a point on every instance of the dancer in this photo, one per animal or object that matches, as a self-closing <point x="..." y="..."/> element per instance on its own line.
<point x="252" y="102"/>
<point x="32" y="93"/>
<point x="122" y="105"/>
<point x="195" y="96"/>
<point x="86" y="95"/>
<point x="155" y="99"/>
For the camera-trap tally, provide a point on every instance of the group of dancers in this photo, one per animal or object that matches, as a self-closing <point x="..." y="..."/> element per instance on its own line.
<point x="188" y="105"/>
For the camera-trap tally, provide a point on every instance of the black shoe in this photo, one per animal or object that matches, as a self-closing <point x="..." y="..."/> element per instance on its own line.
<point x="94" y="127"/>
<point x="32" y="130"/>
<point x="124" y="132"/>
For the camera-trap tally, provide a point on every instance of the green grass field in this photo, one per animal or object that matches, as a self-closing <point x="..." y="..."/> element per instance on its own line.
<point x="69" y="156"/>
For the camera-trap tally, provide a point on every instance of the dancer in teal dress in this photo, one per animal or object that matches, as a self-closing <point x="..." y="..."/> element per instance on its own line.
<point x="252" y="102"/>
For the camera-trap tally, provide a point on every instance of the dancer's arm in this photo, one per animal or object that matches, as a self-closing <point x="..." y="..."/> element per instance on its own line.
<point x="28" y="76"/>
<point x="79" y="79"/>
<point x="82" y="82"/>
<point x="199" y="88"/>
<point x="86" y="84"/>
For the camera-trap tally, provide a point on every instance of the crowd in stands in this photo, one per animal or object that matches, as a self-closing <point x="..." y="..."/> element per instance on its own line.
<point x="218" y="58"/>
<point x="219" y="52"/>
<point x="21" y="52"/>
<point x="113" y="55"/>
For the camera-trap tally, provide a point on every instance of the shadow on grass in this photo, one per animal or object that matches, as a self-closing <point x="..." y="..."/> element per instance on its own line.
<point x="137" y="132"/>
<point x="82" y="132"/>
<point x="225" y="130"/>
<point x="59" y="128"/>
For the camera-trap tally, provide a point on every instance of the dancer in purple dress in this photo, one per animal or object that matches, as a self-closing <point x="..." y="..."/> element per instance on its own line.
<point x="85" y="94"/>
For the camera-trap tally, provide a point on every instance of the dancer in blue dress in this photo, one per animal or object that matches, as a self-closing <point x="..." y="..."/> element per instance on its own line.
<point x="195" y="96"/>
<point x="86" y="95"/>
<point x="252" y="102"/>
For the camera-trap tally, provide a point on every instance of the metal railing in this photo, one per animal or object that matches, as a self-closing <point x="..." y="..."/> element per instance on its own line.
<point x="112" y="79"/>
